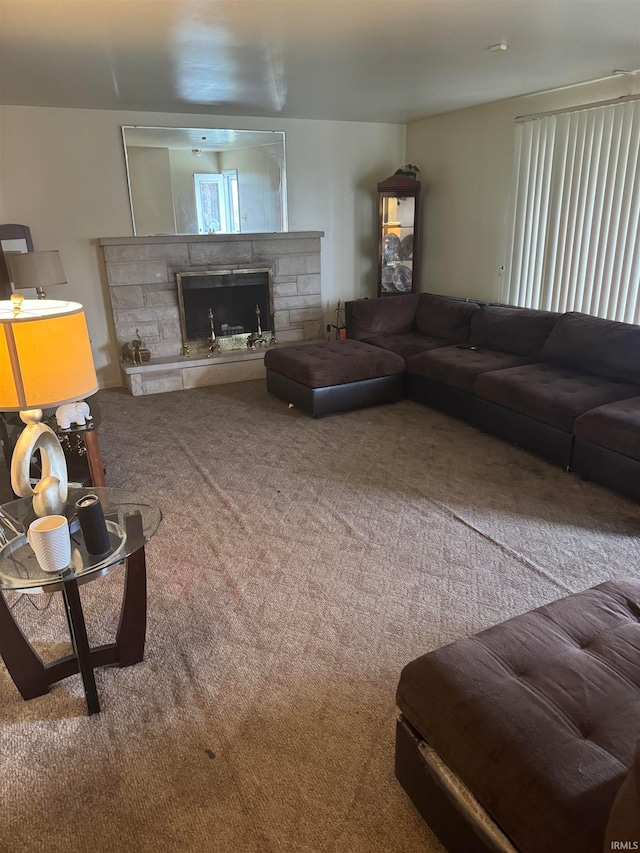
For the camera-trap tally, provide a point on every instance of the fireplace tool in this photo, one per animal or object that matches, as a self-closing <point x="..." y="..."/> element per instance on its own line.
<point x="214" y="345"/>
<point x="256" y="338"/>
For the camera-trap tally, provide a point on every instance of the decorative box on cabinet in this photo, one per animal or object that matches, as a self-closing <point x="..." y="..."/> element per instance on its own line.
<point x="398" y="234"/>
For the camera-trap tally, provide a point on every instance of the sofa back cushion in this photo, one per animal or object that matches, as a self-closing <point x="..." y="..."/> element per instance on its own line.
<point x="392" y="315"/>
<point x="444" y="318"/>
<point x="522" y="331"/>
<point x="594" y="345"/>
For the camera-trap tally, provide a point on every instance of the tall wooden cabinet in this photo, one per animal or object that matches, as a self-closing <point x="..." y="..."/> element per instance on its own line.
<point x="398" y="235"/>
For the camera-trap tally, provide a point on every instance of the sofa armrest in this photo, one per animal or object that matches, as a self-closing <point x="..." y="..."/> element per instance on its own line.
<point x="391" y="315"/>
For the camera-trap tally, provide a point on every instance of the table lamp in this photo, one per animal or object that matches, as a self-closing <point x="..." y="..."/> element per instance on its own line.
<point x="45" y="361"/>
<point x="36" y="269"/>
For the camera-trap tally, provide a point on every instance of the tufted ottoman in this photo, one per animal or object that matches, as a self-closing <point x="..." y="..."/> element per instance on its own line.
<point x="538" y="717"/>
<point x="332" y="376"/>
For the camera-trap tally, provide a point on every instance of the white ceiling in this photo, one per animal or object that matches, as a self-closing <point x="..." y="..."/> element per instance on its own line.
<point x="362" y="60"/>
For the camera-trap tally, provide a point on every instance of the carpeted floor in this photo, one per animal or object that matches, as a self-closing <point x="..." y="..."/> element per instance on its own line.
<point x="299" y="566"/>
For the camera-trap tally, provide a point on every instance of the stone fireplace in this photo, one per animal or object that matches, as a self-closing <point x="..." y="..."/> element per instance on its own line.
<point x="141" y="274"/>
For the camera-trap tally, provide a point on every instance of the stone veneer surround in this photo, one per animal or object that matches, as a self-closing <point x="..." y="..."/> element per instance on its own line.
<point x="142" y="286"/>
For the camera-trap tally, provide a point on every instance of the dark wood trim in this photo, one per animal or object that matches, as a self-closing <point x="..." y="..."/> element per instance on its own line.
<point x="398" y="184"/>
<point x="94" y="459"/>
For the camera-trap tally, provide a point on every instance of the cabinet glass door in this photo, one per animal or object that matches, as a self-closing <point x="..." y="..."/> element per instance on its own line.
<point x="398" y="224"/>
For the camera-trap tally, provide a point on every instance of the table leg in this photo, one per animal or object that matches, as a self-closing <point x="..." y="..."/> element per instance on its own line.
<point x="81" y="643"/>
<point x="23" y="663"/>
<point x="132" y="629"/>
<point x="94" y="459"/>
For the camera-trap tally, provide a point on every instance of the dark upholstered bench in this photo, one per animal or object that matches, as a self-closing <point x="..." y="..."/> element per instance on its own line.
<point x="538" y="717"/>
<point x="333" y="376"/>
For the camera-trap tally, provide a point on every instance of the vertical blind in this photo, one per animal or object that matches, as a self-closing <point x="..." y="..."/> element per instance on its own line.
<point x="574" y="239"/>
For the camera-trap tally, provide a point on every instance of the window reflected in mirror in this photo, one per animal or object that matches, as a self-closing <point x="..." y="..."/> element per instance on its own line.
<point x="205" y="181"/>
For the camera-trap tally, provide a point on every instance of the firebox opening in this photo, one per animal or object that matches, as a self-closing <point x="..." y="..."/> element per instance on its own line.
<point x="232" y="297"/>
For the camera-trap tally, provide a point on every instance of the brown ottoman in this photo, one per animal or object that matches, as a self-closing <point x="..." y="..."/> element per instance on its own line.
<point x="333" y="376"/>
<point x="538" y="717"/>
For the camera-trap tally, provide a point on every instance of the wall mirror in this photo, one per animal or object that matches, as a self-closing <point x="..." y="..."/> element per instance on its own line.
<point x="205" y="181"/>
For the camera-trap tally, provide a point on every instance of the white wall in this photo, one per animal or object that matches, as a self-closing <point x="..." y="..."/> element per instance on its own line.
<point x="258" y="186"/>
<point x="183" y="167"/>
<point x="151" y="191"/>
<point x="62" y="173"/>
<point x="466" y="159"/>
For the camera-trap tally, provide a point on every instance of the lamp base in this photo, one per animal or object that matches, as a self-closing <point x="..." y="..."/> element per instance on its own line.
<point x="46" y="497"/>
<point x="50" y="493"/>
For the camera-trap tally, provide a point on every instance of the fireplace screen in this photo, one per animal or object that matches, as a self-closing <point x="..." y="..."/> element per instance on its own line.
<point x="227" y="309"/>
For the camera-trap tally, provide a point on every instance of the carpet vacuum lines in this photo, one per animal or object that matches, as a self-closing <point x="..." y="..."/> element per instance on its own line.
<point x="221" y="493"/>
<point x="505" y="549"/>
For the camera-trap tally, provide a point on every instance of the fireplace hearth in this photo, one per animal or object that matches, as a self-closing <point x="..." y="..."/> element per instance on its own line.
<point x="141" y="275"/>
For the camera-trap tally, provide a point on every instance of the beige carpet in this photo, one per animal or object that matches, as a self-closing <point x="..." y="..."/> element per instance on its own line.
<point x="299" y="566"/>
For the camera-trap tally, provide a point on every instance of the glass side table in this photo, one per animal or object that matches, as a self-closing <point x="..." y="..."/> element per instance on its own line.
<point x="131" y="521"/>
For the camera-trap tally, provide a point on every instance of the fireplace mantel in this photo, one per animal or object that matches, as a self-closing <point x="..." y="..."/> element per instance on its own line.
<point x="210" y="238"/>
<point x="142" y="285"/>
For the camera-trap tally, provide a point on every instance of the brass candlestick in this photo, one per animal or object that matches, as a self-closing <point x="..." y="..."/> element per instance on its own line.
<point x="256" y="338"/>
<point x="214" y="345"/>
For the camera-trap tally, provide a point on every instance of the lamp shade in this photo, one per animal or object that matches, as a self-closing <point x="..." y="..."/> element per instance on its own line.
<point x="36" y="269"/>
<point x="45" y="355"/>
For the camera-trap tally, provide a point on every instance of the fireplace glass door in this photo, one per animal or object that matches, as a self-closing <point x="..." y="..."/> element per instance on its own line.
<point x="224" y="308"/>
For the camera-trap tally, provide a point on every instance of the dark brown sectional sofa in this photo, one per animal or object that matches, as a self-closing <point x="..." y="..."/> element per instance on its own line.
<point x="564" y="386"/>
<point x="525" y="737"/>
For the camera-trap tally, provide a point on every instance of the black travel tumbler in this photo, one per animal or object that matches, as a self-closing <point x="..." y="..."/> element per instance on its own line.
<point x="93" y="526"/>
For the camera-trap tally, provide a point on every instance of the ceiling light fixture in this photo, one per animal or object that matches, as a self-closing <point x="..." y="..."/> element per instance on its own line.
<point x="197" y="152"/>
<point x="494" y="48"/>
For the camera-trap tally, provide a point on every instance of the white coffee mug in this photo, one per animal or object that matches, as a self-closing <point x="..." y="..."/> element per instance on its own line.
<point x="51" y="543"/>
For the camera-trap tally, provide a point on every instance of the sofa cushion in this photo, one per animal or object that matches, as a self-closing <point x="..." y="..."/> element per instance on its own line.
<point x="549" y="393"/>
<point x="615" y="426"/>
<point x="539" y="716"/>
<point x="391" y="315"/>
<point x="441" y="317"/>
<point x="460" y="368"/>
<point x="593" y="345"/>
<point x="522" y="331"/>
<point x="406" y="345"/>
<point x="333" y="363"/>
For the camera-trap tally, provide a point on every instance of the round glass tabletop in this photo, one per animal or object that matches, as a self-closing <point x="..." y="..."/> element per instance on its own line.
<point x="131" y="521"/>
